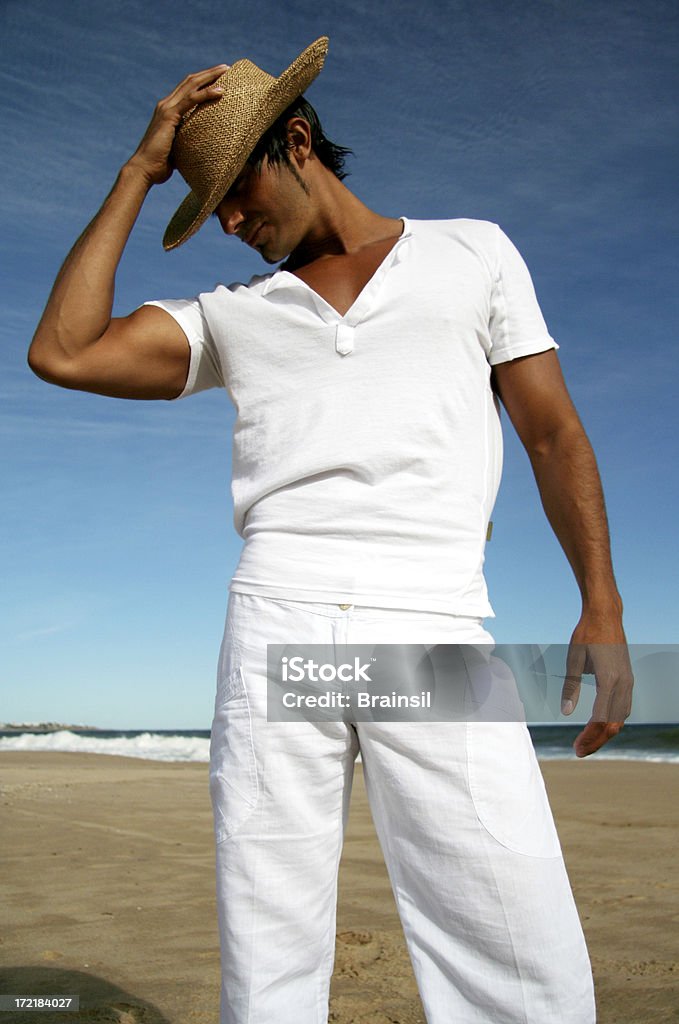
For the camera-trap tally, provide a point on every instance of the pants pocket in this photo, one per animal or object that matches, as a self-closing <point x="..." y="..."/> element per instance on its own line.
<point x="508" y="790"/>
<point x="234" y="787"/>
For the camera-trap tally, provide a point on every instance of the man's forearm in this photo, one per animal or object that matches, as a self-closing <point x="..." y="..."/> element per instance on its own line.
<point x="570" y="488"/>
<point x="79" y="308"/>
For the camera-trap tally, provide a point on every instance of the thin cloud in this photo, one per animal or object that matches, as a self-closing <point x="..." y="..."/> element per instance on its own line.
<point x="44" y="631"/>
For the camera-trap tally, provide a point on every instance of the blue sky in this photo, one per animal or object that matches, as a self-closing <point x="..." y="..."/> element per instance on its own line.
<point x="557" y="120"/>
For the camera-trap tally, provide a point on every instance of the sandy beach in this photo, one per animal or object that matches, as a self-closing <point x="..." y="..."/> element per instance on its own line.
<point x="107" y="891"/>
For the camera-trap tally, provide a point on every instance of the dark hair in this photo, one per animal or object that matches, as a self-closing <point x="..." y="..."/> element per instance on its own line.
<point x="274" y="142"/>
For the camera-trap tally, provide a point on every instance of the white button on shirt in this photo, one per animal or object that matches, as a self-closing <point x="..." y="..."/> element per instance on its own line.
<point x="344" y="339"/>
<point x="367" y="447"/>
<point x="344" y="326"/>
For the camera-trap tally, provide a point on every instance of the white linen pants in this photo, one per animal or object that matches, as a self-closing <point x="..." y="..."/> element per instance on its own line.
<point x="461" y="814"/>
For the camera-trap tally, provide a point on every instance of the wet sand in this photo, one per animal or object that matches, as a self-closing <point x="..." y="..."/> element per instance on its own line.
<point x="107" y="891"/>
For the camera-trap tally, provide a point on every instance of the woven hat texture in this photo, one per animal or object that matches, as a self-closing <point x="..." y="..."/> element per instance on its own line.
<point x="215" y="138"/>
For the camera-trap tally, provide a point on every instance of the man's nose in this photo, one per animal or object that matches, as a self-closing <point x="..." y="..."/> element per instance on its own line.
<point x="231" y="218"/>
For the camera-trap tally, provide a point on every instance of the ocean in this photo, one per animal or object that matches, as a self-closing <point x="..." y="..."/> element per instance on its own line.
<point x="659" y="743"/>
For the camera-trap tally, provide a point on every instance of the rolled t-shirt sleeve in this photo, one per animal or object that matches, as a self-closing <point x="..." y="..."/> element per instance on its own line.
<point x="517" y="326"/>
<point x="204" y="366"/>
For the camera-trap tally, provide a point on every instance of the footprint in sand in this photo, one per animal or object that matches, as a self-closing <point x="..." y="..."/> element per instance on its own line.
<point x="355" y="938"/>
<point x="126" y="1013"/>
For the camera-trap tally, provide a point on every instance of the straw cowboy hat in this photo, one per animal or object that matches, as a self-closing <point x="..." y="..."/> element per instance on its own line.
<point x="214" y="140"/>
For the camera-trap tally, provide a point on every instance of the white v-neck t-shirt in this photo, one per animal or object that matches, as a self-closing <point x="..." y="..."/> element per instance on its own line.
<point x="367" y="448"/>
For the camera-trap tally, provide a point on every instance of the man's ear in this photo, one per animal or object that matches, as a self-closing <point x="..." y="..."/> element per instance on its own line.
<point x="299" y="138"/>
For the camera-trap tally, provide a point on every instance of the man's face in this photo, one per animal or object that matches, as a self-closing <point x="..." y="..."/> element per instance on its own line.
<point x="268" y="210"/>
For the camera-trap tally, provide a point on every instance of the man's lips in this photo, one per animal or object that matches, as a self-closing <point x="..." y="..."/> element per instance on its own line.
<point x="251" y="237"/>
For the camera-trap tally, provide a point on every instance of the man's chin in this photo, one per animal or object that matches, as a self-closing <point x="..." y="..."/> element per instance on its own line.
<point x="272" y="256"/>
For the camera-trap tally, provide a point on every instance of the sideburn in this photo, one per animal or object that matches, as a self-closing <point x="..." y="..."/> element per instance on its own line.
<point x="296" y="175"/>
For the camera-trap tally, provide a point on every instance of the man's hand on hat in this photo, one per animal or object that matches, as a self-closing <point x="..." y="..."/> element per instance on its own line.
<point x="152" y="156"/>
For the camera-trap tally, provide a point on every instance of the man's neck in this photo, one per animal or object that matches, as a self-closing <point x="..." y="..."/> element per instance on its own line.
<point x="343" y="226"/>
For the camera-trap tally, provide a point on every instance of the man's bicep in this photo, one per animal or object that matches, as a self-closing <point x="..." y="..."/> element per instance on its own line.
<point x="144" y="355"/>
<point x="534" y="393"/>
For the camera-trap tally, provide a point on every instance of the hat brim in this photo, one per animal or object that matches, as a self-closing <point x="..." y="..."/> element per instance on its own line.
<point x="193" y="211"/>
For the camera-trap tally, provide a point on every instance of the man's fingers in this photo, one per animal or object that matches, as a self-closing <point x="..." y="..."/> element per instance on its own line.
<point x="193" y="90"/>
<point x="569" y="695"/>
<point x="614" y="682"/>
<point x="201" y="77"/>
<point x="195" y="82"/>
<point x="153" y="154"/>
<point x="575" y="665"/>
<point x="594" y="735"/>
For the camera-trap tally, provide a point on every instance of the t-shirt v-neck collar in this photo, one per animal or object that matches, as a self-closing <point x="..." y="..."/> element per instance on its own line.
<point x="363" y="301"/>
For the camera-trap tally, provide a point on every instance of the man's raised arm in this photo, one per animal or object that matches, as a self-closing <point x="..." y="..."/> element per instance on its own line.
<point x="78" y="344"/>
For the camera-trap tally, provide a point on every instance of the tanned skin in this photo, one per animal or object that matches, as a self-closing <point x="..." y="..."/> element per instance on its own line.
<point x="303" y="214"/>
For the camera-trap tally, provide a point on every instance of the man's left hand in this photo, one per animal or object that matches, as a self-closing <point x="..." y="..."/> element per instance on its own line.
<point x="611" y="667"/>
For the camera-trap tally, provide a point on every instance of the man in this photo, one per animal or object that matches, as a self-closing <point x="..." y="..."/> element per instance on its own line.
<point x="366" y="462"/>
